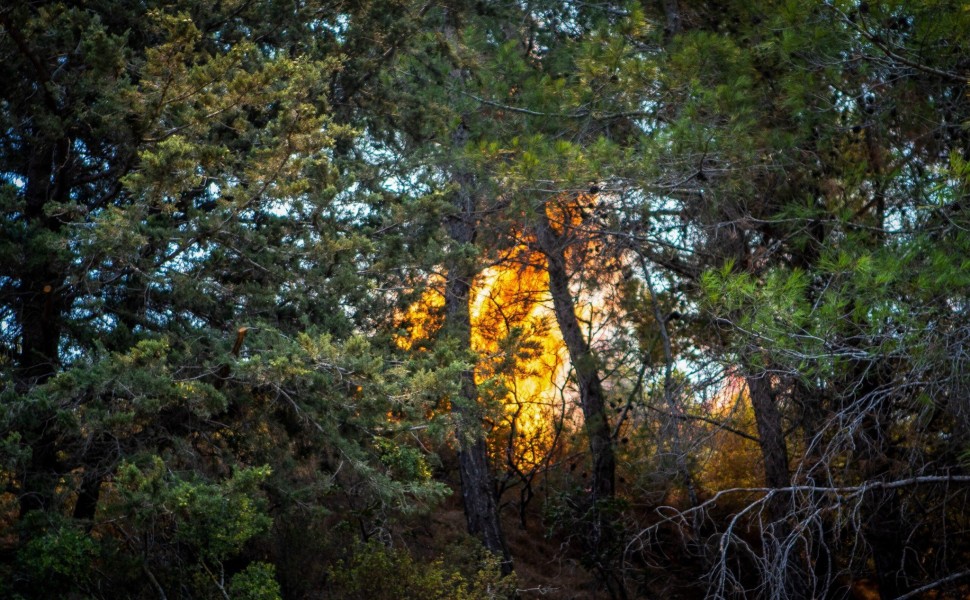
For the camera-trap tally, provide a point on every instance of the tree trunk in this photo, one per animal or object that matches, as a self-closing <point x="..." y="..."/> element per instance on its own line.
<point x="601" y="542"/>
<point x="672" y="13"/>
<point x="774" y="451"/>
<point x="583" y="362"/>
<point x="477" y="489"/>
<point x="771" y="434"/>
<point x="88" y="495"/>
<point x="885" y="533"/>
<point x="884" y="529"/>
<point x="41" y="306"/>
<point x="41" y="295"/>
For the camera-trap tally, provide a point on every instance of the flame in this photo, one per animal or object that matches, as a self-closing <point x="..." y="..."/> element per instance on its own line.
<point x="522" y="357"/>
<point x="423" y="317"/>
<point x="523" y="361"/>
<point x="514" y="331"/>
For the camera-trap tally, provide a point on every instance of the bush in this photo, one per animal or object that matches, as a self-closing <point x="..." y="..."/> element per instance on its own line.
<point x="376" y="572"/>
<point x="58" y="561"/>
<point x="256" y="582"/>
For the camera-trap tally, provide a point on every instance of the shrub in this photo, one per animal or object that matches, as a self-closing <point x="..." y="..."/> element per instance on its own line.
<point x="376" y="572"/>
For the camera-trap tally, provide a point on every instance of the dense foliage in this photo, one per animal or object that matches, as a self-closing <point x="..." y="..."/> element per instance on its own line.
<point x="681" y="286"/>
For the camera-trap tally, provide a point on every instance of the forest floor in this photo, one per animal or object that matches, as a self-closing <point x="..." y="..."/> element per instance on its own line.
<point x="547" y="568"/>
<point x="544" y="567"/>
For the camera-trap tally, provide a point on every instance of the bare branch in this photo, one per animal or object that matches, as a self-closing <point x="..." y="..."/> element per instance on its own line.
<point x="934" y="585"/>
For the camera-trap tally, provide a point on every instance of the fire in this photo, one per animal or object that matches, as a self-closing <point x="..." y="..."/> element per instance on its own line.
<point x="514" y="331"/>
<point x="522" y="358"/>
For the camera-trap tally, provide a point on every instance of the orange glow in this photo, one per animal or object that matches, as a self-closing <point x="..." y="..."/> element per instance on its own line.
<point x="522" y="359"/>
<point x="521" y="351"/>
<point x="423" y="318"/>
<point x="732" y="461"/>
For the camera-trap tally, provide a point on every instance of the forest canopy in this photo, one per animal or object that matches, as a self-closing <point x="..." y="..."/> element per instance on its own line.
<point x="484" y="299"/>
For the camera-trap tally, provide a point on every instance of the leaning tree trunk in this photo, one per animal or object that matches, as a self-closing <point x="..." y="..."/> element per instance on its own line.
<point x="602" y="540"/>
<point x="591" y="399"/>
<point x="477" y="489"/>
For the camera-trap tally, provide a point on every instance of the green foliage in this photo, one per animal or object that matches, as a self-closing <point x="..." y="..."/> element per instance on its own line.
<point x="61" y="559"/>
<point x="381" y="573"/>
<point x="214" y="519"/>
<point x="404" y="463"/>
<point x="214" y="218"/>
<point x="256" y="582"/>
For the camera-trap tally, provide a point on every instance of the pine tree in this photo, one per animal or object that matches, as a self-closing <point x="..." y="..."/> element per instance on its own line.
<point x="185" y="292"/>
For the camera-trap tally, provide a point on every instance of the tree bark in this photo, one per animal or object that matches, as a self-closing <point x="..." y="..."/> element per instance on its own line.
<point x="885" y="528"/>
<point x="774" y="452"/>
<point x="583" y="361"/>
<point x="41" y="295"/>
<point x="771" y="434"/>
<point x="601" y="539"/>
<point x="88" y="495"/>
<point x="477" y="489"/>
<point x="672" y="13"/>
<point x="41" y="304"/>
